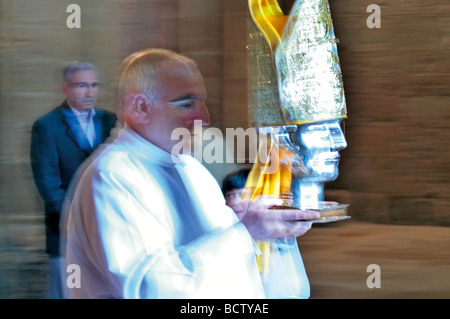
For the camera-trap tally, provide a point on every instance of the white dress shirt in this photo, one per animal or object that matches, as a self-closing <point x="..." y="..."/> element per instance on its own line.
<point x="85" y="118"/>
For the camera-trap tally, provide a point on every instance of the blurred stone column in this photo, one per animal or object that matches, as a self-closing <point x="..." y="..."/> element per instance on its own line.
<point x="235" y="63"/>
<point x="200" y="33"/>
<point x="148" y="24"/>
<point x="100" y="43"/>
<point x="35" y="43"/>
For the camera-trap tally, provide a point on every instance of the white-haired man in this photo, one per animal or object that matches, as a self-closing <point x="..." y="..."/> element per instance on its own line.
<point x="142" y="225"/>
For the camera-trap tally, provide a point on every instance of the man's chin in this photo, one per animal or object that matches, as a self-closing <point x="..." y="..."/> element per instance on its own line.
<point x="84" y="108"/>
<point x="86" y="105"/>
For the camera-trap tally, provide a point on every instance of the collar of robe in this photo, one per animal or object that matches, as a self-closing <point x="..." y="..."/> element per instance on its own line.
<point x="149" y="151"/>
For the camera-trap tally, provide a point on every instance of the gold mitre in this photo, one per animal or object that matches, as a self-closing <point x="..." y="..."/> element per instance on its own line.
<point x="294" y="71"/>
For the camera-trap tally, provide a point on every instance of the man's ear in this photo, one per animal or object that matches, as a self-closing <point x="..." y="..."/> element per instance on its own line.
<point x="65" y="88"/>
<point x="137" y="108"/>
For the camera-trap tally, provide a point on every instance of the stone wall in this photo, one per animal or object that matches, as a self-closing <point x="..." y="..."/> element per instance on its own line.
<point x="396" y="167"/>
<point x="35" y="43"/>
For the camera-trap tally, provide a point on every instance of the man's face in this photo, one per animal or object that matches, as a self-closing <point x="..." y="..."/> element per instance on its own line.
<point x="182" y="103"/>
<point x="82" y="89"/>
<point x="320" y="143"/>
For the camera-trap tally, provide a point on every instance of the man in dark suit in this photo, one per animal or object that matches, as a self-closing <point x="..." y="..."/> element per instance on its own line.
<point x="61" y="140"/>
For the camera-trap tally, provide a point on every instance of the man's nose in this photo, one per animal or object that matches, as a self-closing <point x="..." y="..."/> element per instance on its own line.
<point x="202" y="113"/>
<point x="91" y="91"/>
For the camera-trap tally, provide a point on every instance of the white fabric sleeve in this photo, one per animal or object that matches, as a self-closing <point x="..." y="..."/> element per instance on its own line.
<point x="129" y="248"/>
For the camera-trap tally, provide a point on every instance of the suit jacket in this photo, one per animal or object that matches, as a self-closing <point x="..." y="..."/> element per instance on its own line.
<point x="58" y="147"/>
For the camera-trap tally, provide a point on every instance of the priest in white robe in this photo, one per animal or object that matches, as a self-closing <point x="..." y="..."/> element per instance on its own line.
<point x="145" y="223"/>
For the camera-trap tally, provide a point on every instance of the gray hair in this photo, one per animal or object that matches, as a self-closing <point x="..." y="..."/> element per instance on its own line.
<point x="141" y="72"/>
<point x="74" y="67"/>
